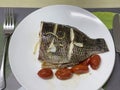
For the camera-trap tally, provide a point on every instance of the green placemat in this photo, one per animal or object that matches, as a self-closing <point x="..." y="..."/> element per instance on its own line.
<point x="1" y="42"/>
<point x="106" y="18"/>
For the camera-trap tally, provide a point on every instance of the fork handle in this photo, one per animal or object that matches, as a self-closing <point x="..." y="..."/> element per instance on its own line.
<point x="2" y="79"/>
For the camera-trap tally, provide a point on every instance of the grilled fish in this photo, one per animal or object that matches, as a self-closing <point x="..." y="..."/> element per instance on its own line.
<point x="63" y="45"/>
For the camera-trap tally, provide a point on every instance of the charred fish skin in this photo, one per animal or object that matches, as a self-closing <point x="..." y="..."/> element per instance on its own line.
<point x="54" y="43"/>
<point x="63" y="45"/>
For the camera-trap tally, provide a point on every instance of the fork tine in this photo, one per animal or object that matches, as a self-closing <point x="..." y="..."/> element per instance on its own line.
<point x="12" y="18"/>
<point x="6" y="20"/>
<point x="9" y="20"/>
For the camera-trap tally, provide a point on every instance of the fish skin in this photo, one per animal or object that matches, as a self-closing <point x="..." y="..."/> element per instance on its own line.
<point x="57" y="48"/>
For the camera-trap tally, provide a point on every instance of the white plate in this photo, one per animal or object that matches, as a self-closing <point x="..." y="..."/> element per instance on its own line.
<point x="24" y="63"/>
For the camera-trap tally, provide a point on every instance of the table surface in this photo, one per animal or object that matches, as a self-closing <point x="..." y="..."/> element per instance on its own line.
<point x="42" y="3"/>
<point x="114" y="81"/>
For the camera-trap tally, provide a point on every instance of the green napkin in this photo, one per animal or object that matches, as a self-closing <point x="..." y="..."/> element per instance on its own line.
<point x="106" y="18"/>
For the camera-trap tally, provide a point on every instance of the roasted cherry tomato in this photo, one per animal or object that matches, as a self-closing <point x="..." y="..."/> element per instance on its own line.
<point x="45" y="73"/>
<point x="80" y="69"/>
<point x="63" y="73"/>
<point x="95" y="62"/>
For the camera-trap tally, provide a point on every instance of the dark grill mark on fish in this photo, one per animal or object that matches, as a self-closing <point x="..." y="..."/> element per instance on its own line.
<point x="64" y="46"/>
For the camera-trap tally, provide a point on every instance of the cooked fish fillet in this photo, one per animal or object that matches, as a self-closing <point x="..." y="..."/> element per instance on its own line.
<point x="64" y="45"/>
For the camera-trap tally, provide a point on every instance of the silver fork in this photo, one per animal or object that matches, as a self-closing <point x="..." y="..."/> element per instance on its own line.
<point x="8" y="28"/>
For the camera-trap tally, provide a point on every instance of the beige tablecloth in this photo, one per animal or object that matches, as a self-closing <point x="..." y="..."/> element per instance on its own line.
<point x="42" y="3"/>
